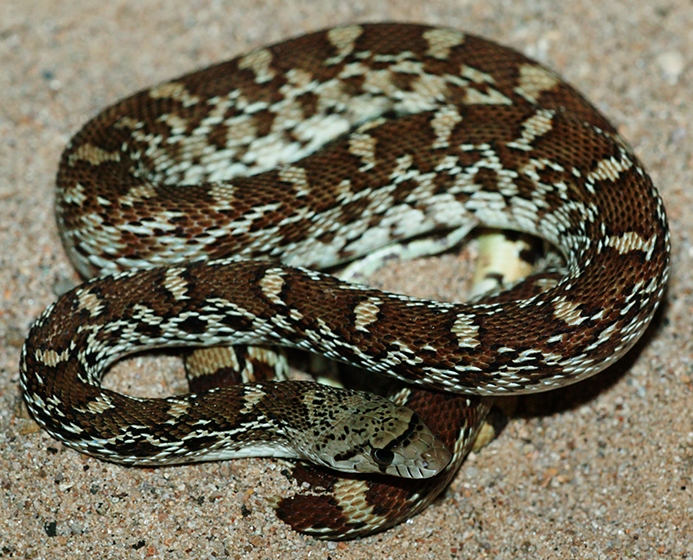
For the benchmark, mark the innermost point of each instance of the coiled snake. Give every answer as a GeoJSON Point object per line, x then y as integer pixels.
{"type": "Point", "coordinates": [318, 150]}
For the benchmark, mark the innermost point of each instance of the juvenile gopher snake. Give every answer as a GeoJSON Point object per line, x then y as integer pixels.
{"type": "Point", "coordinates": [307, 154]}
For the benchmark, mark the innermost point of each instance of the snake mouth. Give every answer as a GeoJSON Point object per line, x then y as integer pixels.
{"type": "Point", "coordinates": [429, 464]}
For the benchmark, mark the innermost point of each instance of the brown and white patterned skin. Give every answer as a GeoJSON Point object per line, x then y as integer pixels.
{"type": "Point", "coordinates": [425, 129]}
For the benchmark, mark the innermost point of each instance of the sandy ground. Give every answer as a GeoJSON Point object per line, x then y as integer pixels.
{"type": "Point", "coordinates": [601, 470]}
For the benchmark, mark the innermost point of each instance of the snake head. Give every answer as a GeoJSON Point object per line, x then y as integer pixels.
{"type": "Point", "coordinates": [407, 448]}
{"type": "Point", "coordinates": [373, 435]}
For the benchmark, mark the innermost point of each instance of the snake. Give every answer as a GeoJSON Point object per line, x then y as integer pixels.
{"type": "Point", "coordinates": [208, 211]}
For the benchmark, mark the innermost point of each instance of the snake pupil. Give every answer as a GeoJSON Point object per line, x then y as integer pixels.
{"type": "Point", "coordinates": [383, 457]}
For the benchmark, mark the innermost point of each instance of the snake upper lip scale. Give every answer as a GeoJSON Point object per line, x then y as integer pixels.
{"type": "Point", "coordinates": [211, 191]}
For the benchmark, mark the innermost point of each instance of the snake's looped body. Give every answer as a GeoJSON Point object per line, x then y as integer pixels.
{"type": "Point", "coordinates": [313, 152]}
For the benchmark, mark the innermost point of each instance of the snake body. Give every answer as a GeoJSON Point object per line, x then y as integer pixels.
{"type": "Point", "coordinates": [231, 185]}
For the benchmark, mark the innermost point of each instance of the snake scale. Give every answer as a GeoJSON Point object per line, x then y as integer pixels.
{"type": "Point", "coordinates": [205, 206]}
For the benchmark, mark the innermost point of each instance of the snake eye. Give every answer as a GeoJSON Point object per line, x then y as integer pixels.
{"type": "Point", "coordinates": [383, 457]}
